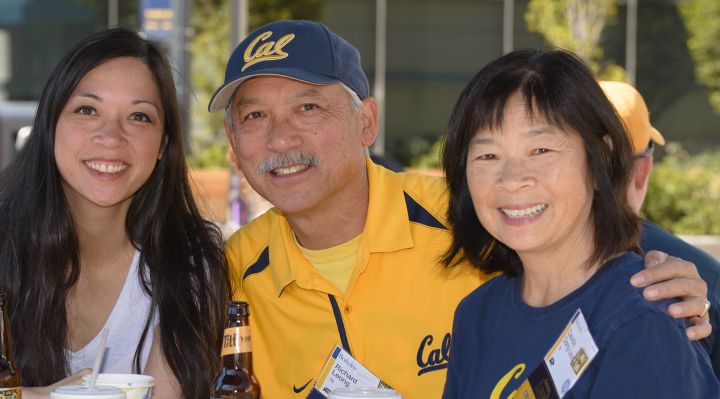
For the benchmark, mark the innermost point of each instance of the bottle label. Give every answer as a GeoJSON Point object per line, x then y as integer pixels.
{"type": "Point", "coordinates": [236, 340]}
{"type": "Point", "coordinates": [10, 393]}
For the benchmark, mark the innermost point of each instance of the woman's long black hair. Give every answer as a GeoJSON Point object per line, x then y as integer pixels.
{"type": "Point", "coordinates": [181, 253]}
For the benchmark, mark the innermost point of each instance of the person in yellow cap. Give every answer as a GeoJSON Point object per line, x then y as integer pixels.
{"type": "Point", "coordinates": [631, 108]}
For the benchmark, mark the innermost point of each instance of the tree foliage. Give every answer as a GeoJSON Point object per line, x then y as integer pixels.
{"type": "Point", "coordinates": [210, 46]}
{"type": "Point", "coordinates": [576, 25]}
{"type": "Point", "coordinates": [702, 22]}
{"type": "Point", "coordinates": [684, 192]}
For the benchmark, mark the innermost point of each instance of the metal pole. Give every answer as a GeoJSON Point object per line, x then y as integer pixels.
{"type": "Point", "coordinates": [239, 25]}
{"type": "Point", "coordinates": [631, 42]}
{"type": "Point", "coordinates": [181, 58]}
{"type": "Point", "coordinates": [113, 14]}
{"type": "Point", "coordinates": [379, 86]}
{"type": "Point", "coordinates": [508, 25]}
{"type": "Point", "coordinates": [239, 209]}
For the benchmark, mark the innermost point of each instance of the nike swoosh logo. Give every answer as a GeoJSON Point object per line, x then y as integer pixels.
{"type": "Point", "coordinates": [302, 388]}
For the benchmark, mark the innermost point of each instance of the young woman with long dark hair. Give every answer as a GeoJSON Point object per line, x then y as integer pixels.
{"type": "Point", "coordinates": [100, 230]}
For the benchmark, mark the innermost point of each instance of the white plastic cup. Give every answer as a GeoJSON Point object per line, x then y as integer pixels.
{"type": "Point", "coordinates": [84, 392]}
{"type": "Point", "coordinates": [135, 386]}
{"type": "Point", "coordinates": [376, 393]}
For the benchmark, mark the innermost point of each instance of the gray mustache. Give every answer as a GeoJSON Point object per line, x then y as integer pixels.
{"type": "Point", "coordinates": [284, 160]}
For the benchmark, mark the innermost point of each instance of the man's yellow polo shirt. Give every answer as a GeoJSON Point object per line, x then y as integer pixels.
{"type": "Point", "coordinates": [396, 314]}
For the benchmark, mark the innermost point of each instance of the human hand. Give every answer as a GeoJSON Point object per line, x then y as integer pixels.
{"type": "Point", "coordinates": [44, 392]}
{"type": "Point", "coordinates": [667, 277]}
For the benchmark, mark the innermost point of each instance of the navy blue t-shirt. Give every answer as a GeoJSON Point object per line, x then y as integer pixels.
{"type": "Point", "coordinates": [498, 340]}
{"type": "Point", "coordinates": [654, 237]}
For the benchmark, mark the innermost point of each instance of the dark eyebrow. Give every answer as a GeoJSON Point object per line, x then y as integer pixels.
{"type": "Point", "coordinates": [307, 93]}
{"type": "Point", "coordinates": [246, 101]}
{"type": "Point", "coordinates": [481, 140]}
{"type": "Point", "coordinates": [90, 95]}
{"type": "Point", "coordinates": [146, 102]}
{"type": "Point", "coordinates": [134, 102]}
{"type": "Point", "coordinates": [546, 129]}
{"type": "Point", "coordinates": [534, 131]}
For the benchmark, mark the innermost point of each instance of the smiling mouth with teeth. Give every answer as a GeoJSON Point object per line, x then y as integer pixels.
{"type": "Point", "coordinates": [289, 170]}
{"type": "Point", "coordinates": [520, 213]}
{"type": "Point", "coordinates": [106, 167]}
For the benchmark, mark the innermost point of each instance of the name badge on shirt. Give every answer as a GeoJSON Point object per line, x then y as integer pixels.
{"type": "Point", "coordinates": [564, 363]}
{"type": "Point", "coordinates": [341, 370]}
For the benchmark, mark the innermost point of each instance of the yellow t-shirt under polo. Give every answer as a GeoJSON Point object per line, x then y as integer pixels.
{"type": "Point", "coordinates": [335, 264]}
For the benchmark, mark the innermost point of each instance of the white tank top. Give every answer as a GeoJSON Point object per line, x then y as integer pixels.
{"type": "Point", "coordinates": [125, 324]}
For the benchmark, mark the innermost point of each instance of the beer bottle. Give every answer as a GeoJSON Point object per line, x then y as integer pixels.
{"type": "Point", "coordinates": [10, 383]}
{"type": "Point", "coordinates": [236, 379]}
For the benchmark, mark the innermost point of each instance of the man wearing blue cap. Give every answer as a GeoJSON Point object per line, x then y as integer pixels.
{"type": "Point", "coordinates": [350, 254]}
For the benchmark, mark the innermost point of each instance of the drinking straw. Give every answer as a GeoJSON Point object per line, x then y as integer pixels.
{"type": "Point", "coordinates": [98, 358]}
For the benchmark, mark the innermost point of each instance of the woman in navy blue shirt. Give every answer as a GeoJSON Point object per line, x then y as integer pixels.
{"type": "Point", "coordinates": [537, 163]}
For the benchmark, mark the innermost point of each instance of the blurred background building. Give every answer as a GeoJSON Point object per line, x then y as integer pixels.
{"type": "Point", "coordinates": [418, 55]}
{"type": "Point", "coordinates": [432, 48]}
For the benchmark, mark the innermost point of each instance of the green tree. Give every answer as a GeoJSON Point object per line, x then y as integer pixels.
{"type": "Point", "coordinates": [684, 192]}
{"type": "Point", "coordinates": [210, 46]}
{"type": "Point", "coordinates": [432, 157]}
{"type": "Point", "coordinates": [702, 22]}
{"type": "Point", "coordinates": [576, 25]}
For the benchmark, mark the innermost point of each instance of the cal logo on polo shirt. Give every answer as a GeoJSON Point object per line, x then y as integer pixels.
{"type": "Point", "coordinates": [260, 50]}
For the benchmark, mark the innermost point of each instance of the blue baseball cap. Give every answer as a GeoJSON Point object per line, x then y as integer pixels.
{"type": "Point", "coordinates": [303, 50]}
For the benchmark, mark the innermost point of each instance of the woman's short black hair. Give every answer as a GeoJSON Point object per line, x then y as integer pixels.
{"type": "Point", "coordinates": [557, 87]}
